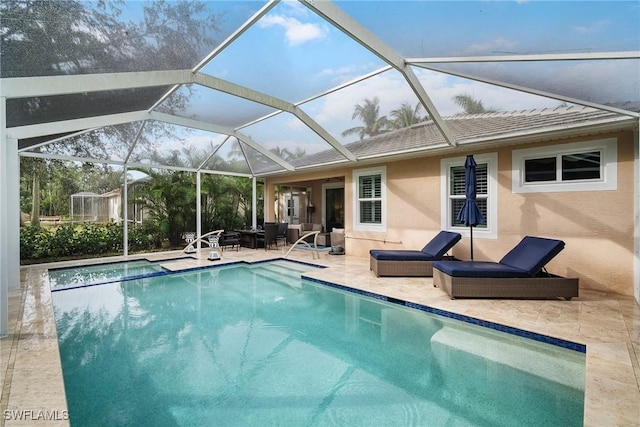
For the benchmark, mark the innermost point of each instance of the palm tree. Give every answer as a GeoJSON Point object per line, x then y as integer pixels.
{"type": "Point", "coordinates": [283, 153]}
{"type": "Point", "coordinates": [406, 116]}
{"type": "Point", "coordinates": [470, 105]}
{"type": "Point", "coordinates": [369, 113]}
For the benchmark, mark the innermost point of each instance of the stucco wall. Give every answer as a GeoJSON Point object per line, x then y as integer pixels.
{"type": "Point", "coordinates": [597, 226]}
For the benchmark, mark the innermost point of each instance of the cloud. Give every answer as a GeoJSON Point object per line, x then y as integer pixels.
{"type": "Point", "coordinates": [344, 74]}
{"type": "Point", "coordinates": [296, 32]}
{"type": "Point", "coordinates": [586, 29]}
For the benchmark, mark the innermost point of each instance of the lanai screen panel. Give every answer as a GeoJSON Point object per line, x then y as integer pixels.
{"type": "Point", "coordinates": [228, 156]}
{"type": "Point", "coordinates": [287, 137]}
{"type": "Point", "coordinates": [446, 90]}
{"type": "Point", "coordinates": [109, 144]}
{"type": "Point", "coordinates": [292, 54]}
{"type": "Point", "coordinates": [335, 110]}
{"type": "Point", "coordinates": [212, 106]}
{"type": "Point", "coordinates": [466, 30]}
{"type": "Point", "coordinates": [45, 38]}
{"type": "Point", "coordinates": [164, 144]}
{"type": "Point", "coordinates": [49, 109]}
{"type": "Point", "coordinates": [260, 164]}
{"type": "Point", "coordinates": [418, 29]}
{"type": "Point", "coordinates": [614, 83]}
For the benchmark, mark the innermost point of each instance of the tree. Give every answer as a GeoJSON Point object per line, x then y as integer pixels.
{"type": "Point", "coordinates": [170, 198]}
{"type": "Point", "coordinates": [283, 153]}
{"type": "Point", "coordinates": [470, 105]}
{"type": "Point", "coordinates": [288, 155]}
{"type": "Point", "coordinates": [75, 37]}
{"type": "Point", "coordinates": [406, 116]}
{"type": "Point", "coordinates": [369, 114]}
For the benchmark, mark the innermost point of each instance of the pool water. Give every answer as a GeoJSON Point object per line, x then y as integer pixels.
{"type": "Point", "coordinates": [257, 345]}
{"type": "Point", "coordinates": [102, 273]}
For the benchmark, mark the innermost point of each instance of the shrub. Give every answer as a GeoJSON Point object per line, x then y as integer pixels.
{"type": "Point", "coordinates": [67, 241]}
{"type": "Point", "coordinates": [145, 236]}
{"type": "Point", "coordinates": [33, 242]}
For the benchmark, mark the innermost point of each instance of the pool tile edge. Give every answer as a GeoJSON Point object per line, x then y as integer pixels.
{"type": "Point", "coordinates": [34, 386]}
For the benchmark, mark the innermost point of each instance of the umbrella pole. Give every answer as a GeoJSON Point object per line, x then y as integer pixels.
{"type": "Point", "coordinates": [471, 240]}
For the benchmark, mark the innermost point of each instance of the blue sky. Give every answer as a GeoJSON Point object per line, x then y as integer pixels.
{"type": "Point", "coordinates": [442, 28]}
{"type": "Point", "coordinates": [292, 54]}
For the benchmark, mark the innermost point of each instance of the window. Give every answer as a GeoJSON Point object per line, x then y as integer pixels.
{"type": "Point", "coordinates": [453, 194]}
{"type": "Point", "coordinates": [457, 192]}
{"type": "Point", "coordinates": [585, 166]}
{"type": "Point", "coordinates": [370, 201]}
{"type": "Point", "coordinates": [573, 167]}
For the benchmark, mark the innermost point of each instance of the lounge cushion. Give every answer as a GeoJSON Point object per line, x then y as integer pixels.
{"type": "Point", "coordinates": [400, 255]}
{"type": "Point", "coordinates": [532, 253]}
{"type": "Point", "coordinates": [526, 259]}
{"type": "Point", "coordinates": [478, 269]}
{"type": "Point", "coordinates": [434, 250]}
{"type": "Point", "coordinates": [441, 243]}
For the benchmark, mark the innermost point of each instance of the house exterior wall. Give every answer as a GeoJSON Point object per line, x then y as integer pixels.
{"type": "Point", "coordinates": [597, 226]}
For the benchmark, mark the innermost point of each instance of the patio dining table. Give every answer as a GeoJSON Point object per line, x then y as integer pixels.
{"type": "Point", "coordinates": [249, 238]}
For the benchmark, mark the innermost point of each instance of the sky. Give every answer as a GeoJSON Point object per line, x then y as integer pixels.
{"type": "Point", "coordinates": [293, 54]}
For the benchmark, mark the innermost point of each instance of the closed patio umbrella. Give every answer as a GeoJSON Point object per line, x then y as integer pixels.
{"type": "Point", "coordinates": [470, 214]}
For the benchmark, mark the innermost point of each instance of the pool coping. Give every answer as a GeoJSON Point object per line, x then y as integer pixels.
{"type": "Point", "coordinates": [467, 319]}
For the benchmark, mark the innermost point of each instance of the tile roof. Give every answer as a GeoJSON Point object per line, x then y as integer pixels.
{"type": "Point", "coordinates": [477, 128]}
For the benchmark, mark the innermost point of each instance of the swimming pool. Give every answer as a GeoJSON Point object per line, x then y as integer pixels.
{"type": "Point", "coordinates": [258, 345]}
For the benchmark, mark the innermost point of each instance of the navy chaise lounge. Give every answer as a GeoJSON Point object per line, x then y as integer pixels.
{"type": "Point", "coordinates": [519, 274]}
{"type": "Point", "coordinates": [412, 262]}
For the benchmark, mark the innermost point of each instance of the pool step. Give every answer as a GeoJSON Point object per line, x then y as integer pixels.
{"type": "Point", "coordinates": [565, 369]}
{"type": "Point", "coordinates": [280, 274]}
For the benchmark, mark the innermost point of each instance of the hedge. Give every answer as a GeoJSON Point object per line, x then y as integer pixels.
{"type": "Point", "coordinates": [81, 240]}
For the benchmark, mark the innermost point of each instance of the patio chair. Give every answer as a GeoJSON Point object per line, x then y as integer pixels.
{"type": "Point", "coordinates": [283, 229]}
{"type": "Point", "coordinates": [230, 238]}
{"type": "Point", "coordinates": [519, 274]}
{"type": "Point", "coordinates": [269, 236]}
{"type": "Point", "coordinates": [412, 263]}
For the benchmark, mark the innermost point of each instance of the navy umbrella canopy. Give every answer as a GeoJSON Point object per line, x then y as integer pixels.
{"type": "Point", "coordinates": [470, 214]}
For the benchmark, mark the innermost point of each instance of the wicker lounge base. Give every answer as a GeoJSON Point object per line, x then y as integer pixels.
{"type": "Point", "coordinates": [525, 288]}
{"type": "Point", "coordinates": [388, 268]}
{"type": "Point", "coordinates": [391, 268]}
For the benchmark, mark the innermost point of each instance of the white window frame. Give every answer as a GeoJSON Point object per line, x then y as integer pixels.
{"type": "Point", "coordinates": [357, 225]}
{"type": "Point", "coordinates": [491, 230]}
{"type": "Point", "coordinates": [608, 180]}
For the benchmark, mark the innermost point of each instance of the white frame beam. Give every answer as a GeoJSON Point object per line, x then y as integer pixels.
{"type": "Point", "coordinates": [27, 87]}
